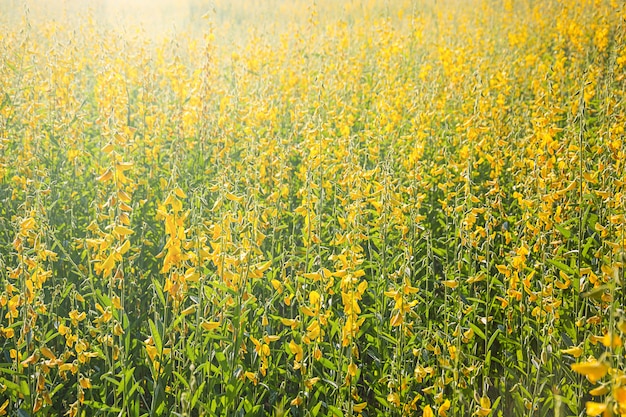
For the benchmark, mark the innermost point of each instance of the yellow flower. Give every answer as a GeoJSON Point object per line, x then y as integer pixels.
{"type": "Point", "coordinates": [594, 370]}
{"type": "Point", "coordinates": [116, 302]}
{"type": "Point", "coordinates": [598, 391]}
{"type": "Point", "coordinates": [575, 351]}
{"type": "Point", "coordinates": [397, 319]}
{"type": "Point", "coordinates": [443, 409]}
{"type": "Point", "coordinates": [117, 329]}
{"type": "Point", "coordinates": [85, 383]}
{"type": "Point", "coordinates": [394, 399]}
{"type": "Point", "coordinates": [47, 353]}
{"type": "Point", "coordinates": [595, 409]}
{"type": "Point", "coordinates": [210, 325]}
{"type": "Point", "coordinates": [619, 394]}
{"type": "Point", "coordinates": [352, 369]}
{"type": "Point", "coordinates": [7, 332]}
{"type": "Point", "coordinates": [106, 176]}
{"type": "Point", "coordinates": [296, 349]}
{"type": "Point", "coordinates": [451, 283]}
{"type": "Point", "coordinates": [123, 231]}
{"type": "Point", "coordinates": [359, 407]}
{"type": "Point", "coordinates": [485, 407]}
{"type": "Point", "coordinates": [30, 360]}
{"type": "Point", "coordinates": [310, 382]}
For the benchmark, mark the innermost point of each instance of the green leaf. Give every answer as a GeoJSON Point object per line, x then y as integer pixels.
{"type": "Point", "coordinates": [564, 231]}
{"type": "Point", "coordinates": [182, 380]}
{"type": "Point", "coordinates": [5, 101]}
{"type": "Point", "coordinates": [159, 290]}
{"type": "Point", "coordinates": [560, 265]}
{"type": "Point", "coordinates": [589, 218]}
{"type": "Point", "coordinates": [196, 395]}
{"type": "Point", "coordinates": [477, 331]}
{"type": "Point", "coordinates": [100, 406]}
{"type": "Point", "coordinates": [24, 388]}
{"type": "Point", "coordinates": [383, 401]}
{"type": "Point", "coordinates": [389, 338]}
{"type": "Point", "coordinates": [494, 405]}
{"type": "Point", "coordinates": [221, 358]}
{"type": "Point", "coordinates": [588, 244]}
{"type": "Point", "coordinates": [109, 378]}
{"type": "Point", "coordinates": [327, 364]}
{"type": "Point", "coordinates": [316, 409]}
{"type": "Point", "coordinates": [596, 293]}
{"type": "Point", "coordinates": [126, 378]}
{"type": "Point", "coordinates": [156, 336]}
{"type": "Point", "coordinates": [493, 338]}
{"type": "Point", "coordinates": [11, 385]}
{"type": "Point", "coordinates": [334, 411]}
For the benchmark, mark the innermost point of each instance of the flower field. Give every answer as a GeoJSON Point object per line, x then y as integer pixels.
{"type": "Point", "coordinates": [292, 208]}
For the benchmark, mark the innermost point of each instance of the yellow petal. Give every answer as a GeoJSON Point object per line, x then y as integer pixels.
{"type": "Point", "coordinates": [394, 399]}
{"type": "Point", "coordinates": [188, 310]}
{"type": "Point", "coordinates": [359, 407]}
{"type": "Point", "coordinates": [451, 283]}
{"type": "Point", "coordinates": [607, 340]}
{"type": "Point", "coordinates": [485, 402]}
{"type": "Point", "coordinates": [314, 298]}
{"type": "Point", "coordinates": [619, 394]}
{"type": "Point", "coordinates": [180, 193]}
{"type": "Point", "coordinates": [27, 224]}
{"type": "Point", "coordinates": [594, 408]}
{"type": "Point", "coordinates": [108, 148]}
{"type": "Point", "coordinates": [307, 311]}
{"type": "Point", "coordinates": [593, 370]}
{"type": "Point", "coordinates": [123, 196]}
{"type": "Point", "coordinates": [123, 166]}
{"type": "Point", "coordinates": [391, 293]}
{"type": "Point", "coordinates": [574, 351]}
{"type": "Point", "coordinates": [233, 197]}
{"type": "Point", "coordinates": [30, 360]}
{"type": "Point", "coordinates": [503, 269]}
{"type": "Point", "coordinates": [106, 176]}
{"type": "Point", "coordinates": [264, 266]}
{"type": "Point", "coordinates": [485, 407]}
{"type": "Point", "coordinates": [396, 320]}
{"type": "Point", "coordinates": [47, 353]}
{"type": "Point", "coordinates": [210, 325]}
{"type": "Point", "coordinates": [278, 286]}
{"type": "Point", "coordinates": [311, 381]}
{"type": "Point", "coordinates": [443, 409]}
{"type": "Point", "coordinates": [352, 369]}
{"type": "Point", "coordinates": [85, 383]}
{"type": "Point", "coordinates": [123, 231]}
{"type": "Point", "coordinates": [314, 276]}
{"type": "Point", "coordinates": [288, 322]}
{"type": "Point", "coordinates": [124, 248]}
{"type": "Point", "coordinates": [296, 401]}
{"type": "Point", "coordinates": [598, 391]}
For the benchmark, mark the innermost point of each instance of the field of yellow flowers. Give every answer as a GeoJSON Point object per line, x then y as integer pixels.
{"type": "Point", "coordinates": [293, 208]}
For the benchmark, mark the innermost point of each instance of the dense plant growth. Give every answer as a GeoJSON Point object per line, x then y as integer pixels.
{"type": "Point", "coordinates": [359, 209]}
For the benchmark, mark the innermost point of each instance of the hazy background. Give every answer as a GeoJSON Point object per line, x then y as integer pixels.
{"type": "Point", "coordinates": [157, 16]}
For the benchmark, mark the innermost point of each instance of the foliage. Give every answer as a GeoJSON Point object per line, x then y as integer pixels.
{"type": "Point", "coordinates": [377, 208]}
